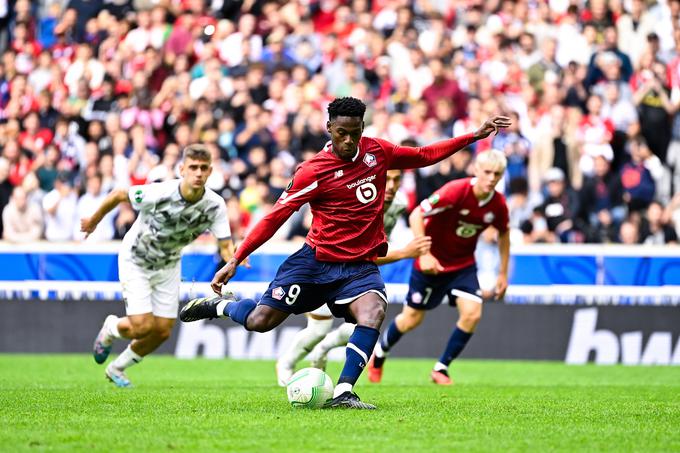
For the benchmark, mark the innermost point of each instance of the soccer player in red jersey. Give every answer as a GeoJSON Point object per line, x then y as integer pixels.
{"type": "Point", "coordinates": [345, 187]}
{"type": "Point", "coordinates": [454, 216]}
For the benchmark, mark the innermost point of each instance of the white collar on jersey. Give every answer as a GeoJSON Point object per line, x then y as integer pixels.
{"type": "Point", "coordinates": [487, 199]}
{"type": "Point", "coordinates": [329, 147]}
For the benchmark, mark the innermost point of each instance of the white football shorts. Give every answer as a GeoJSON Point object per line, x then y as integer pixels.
{"type": "Point", "coordinates": [149, 291]}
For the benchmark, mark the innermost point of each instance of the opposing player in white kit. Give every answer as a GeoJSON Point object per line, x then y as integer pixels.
{"type": "Point", "coordinates": [318, 334]}
{"type": "Point", "coordinates": [171, 215]}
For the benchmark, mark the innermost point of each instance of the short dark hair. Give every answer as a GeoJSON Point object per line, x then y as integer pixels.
{"type": "Point", "coordinates": [346, 106]}
{"type": "Point", "coordinates": [197, 151]}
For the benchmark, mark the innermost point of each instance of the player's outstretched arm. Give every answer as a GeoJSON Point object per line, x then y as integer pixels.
{"type": "Point", "coordinates": [408, 157]}
{"type": "Point", "coordinates": [261, 233]}
{"type": "Point", "coordinates": [417, 247]}
{"type": "Point", "coordinates": [504, 249]}
{"type": "Point", "coordinates": [115, 197]}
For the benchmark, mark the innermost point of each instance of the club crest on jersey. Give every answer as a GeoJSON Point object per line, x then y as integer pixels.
{"type": "Point", "coordinates": [464, 211]}
{"type": "Point", "coordinates": [338, 174]}
{"type": "Point", "coordinates": [488, 217]}
{"type": "Point", "coordinates": [278, 293]}
{"type": "Point", "coordinates": [369, 159]}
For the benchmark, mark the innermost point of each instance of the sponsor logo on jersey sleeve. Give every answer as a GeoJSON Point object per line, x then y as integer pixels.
{"type": "Point", "coordinates": [369, 159]}
{"type": "Point", "coordinates": [139, 196]}
{"type": "Point", "coordinates": [433, 199]}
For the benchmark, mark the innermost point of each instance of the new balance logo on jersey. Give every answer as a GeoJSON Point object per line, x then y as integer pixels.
{"type": "Point", "coordinates": [464, 211]}
{"type": "Point", "coordinates": [338, 174]}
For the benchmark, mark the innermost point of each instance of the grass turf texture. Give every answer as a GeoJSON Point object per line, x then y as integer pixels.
{"type": "Point", "coordinates": [63, 403]}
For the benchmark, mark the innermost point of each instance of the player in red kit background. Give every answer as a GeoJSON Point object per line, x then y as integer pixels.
{"type": "Point", "coordinates": [344, 185]}
{"type": "Point", "coordinates": [454, 216]}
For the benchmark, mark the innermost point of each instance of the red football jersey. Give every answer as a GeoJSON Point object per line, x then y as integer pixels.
{"type": "Point", "coordinates": [455, 218]}
{"type": "Point", "coordinates": [346, 198]}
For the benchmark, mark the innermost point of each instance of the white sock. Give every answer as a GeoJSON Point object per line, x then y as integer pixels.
{"type": "Point", "coordinates": [126, 359]}
{"type": "Point", "coordinates": [335, 338]}
{"type": "Point", "coordinates": [440, 367]}
{"type": "Point", "coordinates": [342, 388]}
{"type": "Point", "coordinates": [378, 351]}
{"type": "Point", "coordinates": [305, 340]}
{"type": "Point", "coordinates": [220, 308]}
{"type": "Point", "coordinates": [111, 325]}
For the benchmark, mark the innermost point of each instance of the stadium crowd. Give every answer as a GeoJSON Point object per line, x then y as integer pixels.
{"type": "Point", "coordinates": [97, 94]}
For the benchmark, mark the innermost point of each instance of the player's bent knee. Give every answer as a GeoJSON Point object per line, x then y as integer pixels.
{"type": "Point", "coordinates": [470, 319]}
{"type": "Point", "coordinates": [371, 315]}
{"type": "Point", "coordinates": [141, 330]}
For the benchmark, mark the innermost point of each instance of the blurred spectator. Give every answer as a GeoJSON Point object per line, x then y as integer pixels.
{"type": "Point", "coordinates": [443, 87]}
{"type": "Point", "coordinates": [88, 203]}
{"type": "Point", "coordinates": [654, 229]}
{"type": "Point", "coordinates": [22, 220]}
{"type": "Point", "coordinates": [518, 202]}
{"type": "Point", "coordinates": [652, 98]}
{"type": "Point", "coordinates": [601, 202]}
{"type": "Point", "coordinates": [629, 233]}
{"type": "Point", "coordinates": [59, 206]}
{"type": "Point", "coordinates": [560, 207]}
{"type": "Point", "coordinates": [516, 148]}
{"type": "Point", "coordinates": [19, 161]}
{"type": "Point", "coordinates": [636, 179]}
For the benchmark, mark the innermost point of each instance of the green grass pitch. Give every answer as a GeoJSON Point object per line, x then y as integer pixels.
{"type": "Point", "coordinates": [63, 403]}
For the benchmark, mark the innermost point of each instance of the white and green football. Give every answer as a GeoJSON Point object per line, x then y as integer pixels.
{"type": "Point", "coordinates": [309, 388]}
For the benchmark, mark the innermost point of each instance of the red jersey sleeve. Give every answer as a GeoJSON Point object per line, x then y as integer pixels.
{"type": "Point", "coordinates": [441, 199]}
{"type": "Point", "coordinates": [302, 189]}
{"type": "Point", "coordinates": [401, 157]}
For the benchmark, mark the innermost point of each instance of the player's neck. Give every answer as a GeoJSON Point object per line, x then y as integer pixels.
{"type": "Point", "coordinates": [189, 193]}
{"type": "Point", "coordinates": [479, 194]}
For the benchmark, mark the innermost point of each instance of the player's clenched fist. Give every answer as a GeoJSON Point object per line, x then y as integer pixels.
{"type": "Point", "coordinates": [418, 246]}
{"type": "Point", "coordinates": [223, 276]}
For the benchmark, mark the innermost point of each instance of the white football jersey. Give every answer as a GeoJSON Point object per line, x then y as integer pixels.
{"type": "Point", "coordinates": [167, 222]}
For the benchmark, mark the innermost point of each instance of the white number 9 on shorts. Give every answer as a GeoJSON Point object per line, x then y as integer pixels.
{"type": "Point", "coordinates": [293, 293]}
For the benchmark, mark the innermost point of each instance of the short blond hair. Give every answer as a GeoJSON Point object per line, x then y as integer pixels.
{"type": "Point", "coordinates": [197, 151]}
{"type": "Point", "coordinates": [492, 157]}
